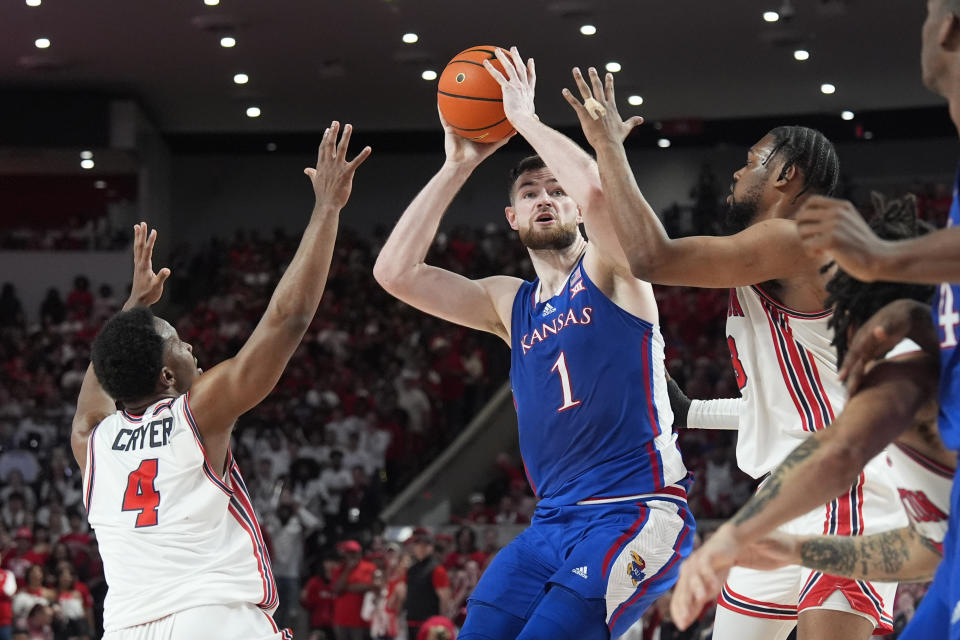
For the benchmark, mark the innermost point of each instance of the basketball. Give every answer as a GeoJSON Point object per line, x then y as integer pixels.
{"type": "Point", "coordinates": [470, 99]}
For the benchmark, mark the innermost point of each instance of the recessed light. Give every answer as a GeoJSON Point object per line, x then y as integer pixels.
{"type": "Point", "coordinates": [771, 16]}
{"type": "Point", "coordinates": [801, 55]}
{"type": "Point", "coordinates": [227, 41]}
{"type": "Point", "coordinates": [86, 155]}
{"type": "Point", "coordinates": [429, 75]}
{"type": "Point", "coordinates": [847, 115]}
{"type": "Point", "coordinates": [253, 112]}
{"type": "Point", "coordinates": [42, 43]}
{"type": "Point", "coordinates": [241, 78]}
{"type": "Point", "coordinates": [827, 88]}
{"type": "Point", "coordinates": [613, 67]}
{"type": "Point", "coordinates": [33, 3]}
{"type": "Point", "coordinates": [86, 164]}
{"type": "Point", "coordinates": [868, 135]}
{"type": "Point", "coordinates": [211, 3]}
{"type": "Point", "coordinates": [663, 143]}
{"type": "Point", "coordinates": [410, 38]}
{"type": "Point", "coordinates": [635, 100]}
{"type": "Point", "coordinates": [271, 146]}
{"type": "Point", "coordinates": [588, 29]}
{"type": "Point", "coordinates": [100, 184]}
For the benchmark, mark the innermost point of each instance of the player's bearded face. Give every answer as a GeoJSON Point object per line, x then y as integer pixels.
{"type": "Point", "coordinates": [555, 237]}
{"type": "Point", "coordinates": [741, 212]}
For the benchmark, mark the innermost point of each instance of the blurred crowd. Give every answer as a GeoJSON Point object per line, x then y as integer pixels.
{"type": "Point", "coordinates": [375, 391]}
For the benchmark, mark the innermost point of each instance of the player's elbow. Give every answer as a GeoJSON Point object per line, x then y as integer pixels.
{"type": "Point", "coordinates": [843, 462]}
{"type": "Point", "coordinates": [646, 265]}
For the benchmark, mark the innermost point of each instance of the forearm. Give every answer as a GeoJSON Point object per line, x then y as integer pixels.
{"type": "Point", "coordinates": [298, 293]}
{"type": "Point", "coordinates": [573, 167]}
{"type": "Point", "coordinates": [411, 238]}
{"type": "Point", "coordinates": [720, 413]}
{"type": "Point", "coordinates": [902, 555]}
{"type": "Point", "coordinates": [641, 235]}
{"type": "Point", "coordinates": [928, 259]}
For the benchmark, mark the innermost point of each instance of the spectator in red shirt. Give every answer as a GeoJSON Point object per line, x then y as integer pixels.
{"type": "Point", "coordinates": [428, 586]}
{"type": "Point", "coordinates": [465, 550]}
{"type": "Point", "coordinates": [437, 628]}
{"type": "Point", "coordinates": [317, 598]}
{"type": "Point", "coordinates": [351, 580]}
{"type": "Point", "coordinates": [80, 300]}
{"type": "Point", "coordinates": [8, 587]}
{"type": "Point", "coordinates": [19, 560]}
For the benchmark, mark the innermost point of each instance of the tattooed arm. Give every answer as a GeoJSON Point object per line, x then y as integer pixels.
{"type": "Point", "coordinates": [821, 468]}
{"type": "Point", "coordinates": [901, 555]}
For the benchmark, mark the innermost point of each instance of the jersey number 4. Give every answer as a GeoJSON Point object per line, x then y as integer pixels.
{"type": "Point", "coordinates": [948, 317]}
{"type": "Point", "coordinates": [560, 366]}
{"type": "Point", "coordinates": [141, 493]}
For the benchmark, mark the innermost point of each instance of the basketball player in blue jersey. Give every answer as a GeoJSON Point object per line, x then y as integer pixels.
{"type": "Point", "coordinates": [587, 373]}
{"type": "Point", "coordinates": [183, 554]}
{"type": "Point", "coordinates": [836, 228]}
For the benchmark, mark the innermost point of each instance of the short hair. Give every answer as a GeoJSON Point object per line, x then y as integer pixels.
{"type": "Point", "coordinates": [812, 153]}
{"type": "Point", "coordinates": [853, 301]}
{"type": "Point", "coordinates": [127, 355]}
{"type": "Point", "coordinates": [530, 163]}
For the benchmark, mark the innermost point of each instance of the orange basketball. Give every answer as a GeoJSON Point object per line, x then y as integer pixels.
{"type": "Point", "coordinates": [470, 99]}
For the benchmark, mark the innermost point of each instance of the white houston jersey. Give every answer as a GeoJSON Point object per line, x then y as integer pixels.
{"type": "Point", "coordinates": [786, 370]}
{"type": "Point", "coordinates": [172, 534]}
{"type": "Point", "coordinates": [924, 486]}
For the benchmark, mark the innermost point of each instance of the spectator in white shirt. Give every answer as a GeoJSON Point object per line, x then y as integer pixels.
{"type": "Point", "coordinates": [335, 479]}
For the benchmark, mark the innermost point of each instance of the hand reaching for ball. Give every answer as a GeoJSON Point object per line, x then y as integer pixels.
{"type": "Point", "coordinates": [463, 152]}
{"type": "Point", "coordinates": [517, 82]}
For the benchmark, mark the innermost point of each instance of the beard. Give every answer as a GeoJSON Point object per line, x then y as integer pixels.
{"type": "Point", "coordinates": [559, 236]}
{"type": "Point", "coordinates": [741, 214]}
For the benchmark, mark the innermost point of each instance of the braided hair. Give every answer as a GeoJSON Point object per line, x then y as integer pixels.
{"type": "Point", "coordinates": [853, 301]}
{"type": "Point", "coordinates": [812, 153]}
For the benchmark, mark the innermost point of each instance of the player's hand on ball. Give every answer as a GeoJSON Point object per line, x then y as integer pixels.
{"type": "Point", "coordinates": [333, 176]}
{"type": "Point", "coordinates": [464, 152]}
{"type": "Point", "coordinates": [598, 115]}
{"type": "Point", "coordinates": [702, 576]}
{"type": "Point", "coordinates": [147, 287]}
{"type": "Point", "coordinates": [517, 85]}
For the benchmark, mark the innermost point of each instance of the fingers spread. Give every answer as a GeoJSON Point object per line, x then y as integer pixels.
{"type": "Point", "coordinates": [581, 84]}
{"type": "Point", "coordinates": [344, 142]}
{"type": "Point", "coordinates": [595, 82]}
{"type": "Point", "coordinates": [499, 77]}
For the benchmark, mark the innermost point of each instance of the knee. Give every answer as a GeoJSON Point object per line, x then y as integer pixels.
{"type": "Point", "coordinates": [566, 615]}
{"type": "Point", "coordinates": [486, 622]}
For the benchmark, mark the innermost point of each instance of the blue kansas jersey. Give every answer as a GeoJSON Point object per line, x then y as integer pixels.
{"type": "Point", "coordinates": [947, 320]}
{"type": "Point", "coordinates": [590, 391]}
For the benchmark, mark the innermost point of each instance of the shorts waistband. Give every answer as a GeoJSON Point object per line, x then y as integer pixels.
{"type": "Point", "coordinates": [670, 492]}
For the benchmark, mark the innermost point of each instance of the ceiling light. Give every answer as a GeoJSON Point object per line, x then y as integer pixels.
{"type": "Point", "coordinates": [827, 88]}
{"type": "Point", "coordinates": [771, 16]}
{"type": "Point", "coordinates": [86, 155]}
{"type": "Point", "coordinates": [429, 75]}
{"type": "Point", "coordinates": [868, 135]}
{"type": "Point", "coordinates": [847, 115]}
{"type": "Point", "coordinates": [613, 67]}
{"type": "Point", "coordinates": [410, 38]}
{"type": "Point", "coordinates": [227, 41]}
{"type": "Point", "coordinates": [801, 55]}
{"type": "Point", "coordinates": [86, 164]}
{"type": "Point", "coordinates": [33, 3]}
{"type": "Point", "coordinates": [663, 143]}
{"type": "Point", "coordinates": [241, 78]}
{"type": "Point", "coordinates": [211, 3]}
{"type": "Point", "coordinates": [253, 112]}
{"type": "Point", "coordinates": [271, 146]}
{"type": "Point", "coordinates": [100, 184]}
{"type": "Point", "coordinates": [42, 43]}
{"type": "Point", "coordinates": [588, 29]}
{"type": "Point", "coordinates": [635, 100]}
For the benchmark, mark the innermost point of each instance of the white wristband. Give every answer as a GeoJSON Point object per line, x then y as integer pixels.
{"type": "Point", "coordinates": [723, 413]}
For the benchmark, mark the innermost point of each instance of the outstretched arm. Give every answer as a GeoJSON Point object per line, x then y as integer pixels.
{"type": "Point", "coordinates": [574, 168]}
{"type": "Point", "coordinates": [401, 268]}
{"type": "Point", "coordinates": [901, 555]}
{"type": "Point", "coordinates": [820, 469]}
{"type": "Point", "coordinates": [768, 250]}
{"type": "Point", "coordinates": [93, 403]}
{"type": "Point", "coordinates": [238, 384]}
{"type": "Point", "coordinates": [835, 226]}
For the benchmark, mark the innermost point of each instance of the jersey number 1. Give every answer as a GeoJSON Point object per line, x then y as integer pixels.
{"type": "Point", "coordinates": [560, 366]}
{"type": "Point", "coordinates": [141, 494]}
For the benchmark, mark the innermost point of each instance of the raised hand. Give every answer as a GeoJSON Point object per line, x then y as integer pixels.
{"type": "Point", "coordinates": [147, 287]}
{"type": "Point", "coordinates": [835, 226]}
{"type": "Point", "coordinates": [598, 115]}
{"type": "Point", "coordinates": [333, 176]}
{"type": "Point", "coordinates": [464, 152]}
{"type": "Point", "coordinates": [517, 82]}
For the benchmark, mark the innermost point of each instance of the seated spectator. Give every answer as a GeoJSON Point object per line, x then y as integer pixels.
{"type": "Point", "coordinates": [480, 513]}
{"type": "Point", "coordinates": [80, 300]}
{"type": "Point", "coordinates": [75, 604]}
{"type": "Point", "coordinates": [19, 559]}
{"type": "Point", "coordinates": [32, 593]}
{"type": "Point", "coordinates": [11, 309]}
{"type": "Point", "coordinates": [437, 628]}
{"type": "Point", "coordinates": [39, 624]}
{"type": "Point", "coordinates": [317, 598]}
{"type": "Point", "coordinates": [465, 550]}
{"type": "Point", "coordinates": [52, 310]}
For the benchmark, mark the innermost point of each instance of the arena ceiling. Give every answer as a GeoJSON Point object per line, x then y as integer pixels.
{"type": "Point", "coordinates": [312, 60]}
